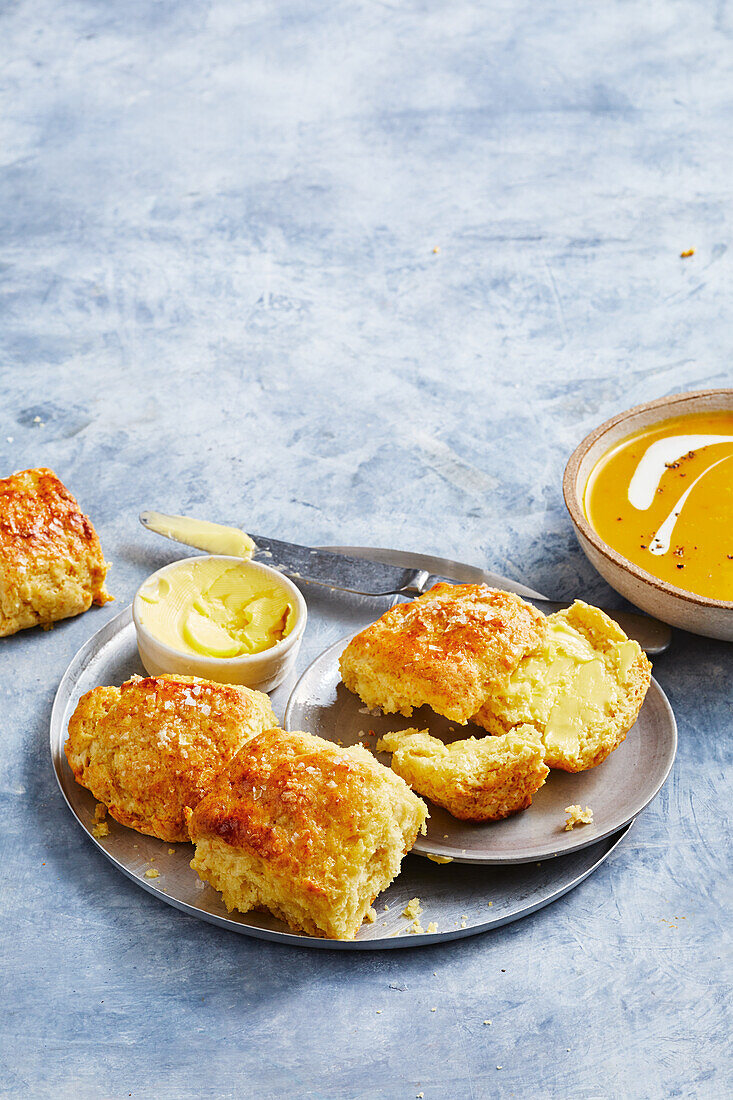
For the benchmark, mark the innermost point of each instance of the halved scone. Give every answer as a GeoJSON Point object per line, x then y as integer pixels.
{"type": "Point", "coordinates": [152, 748]}
{"type": "Point", "coordinates": [51, 563]}
{"type": "Point", "coordinates": [582, 691]}
{"type": "Point", "coordinates": [476, 779]}
{"type": "Point", "coordinates": [448, 649]}
{"type": "Point", "coordinates": [305, 829]}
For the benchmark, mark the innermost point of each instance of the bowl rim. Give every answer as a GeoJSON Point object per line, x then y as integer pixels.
{"type": "Point", "coordinates": [574, 504]}
{"type": "Point", "coordinates": [278, 650]}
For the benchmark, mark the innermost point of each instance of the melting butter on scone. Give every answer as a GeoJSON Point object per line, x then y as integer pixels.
{"type": "Point", "coordinates": [51, 563]}
{"type": "Point", "coordinates": [582, 691]}
{"type": "Point", "coordinates": [446, 649]}
{"type": "Point", "coordinates": [305, 829]}
{"type": "Point", "coordinates": [484, 779]}
{"type": "Point", "coordinates": [151, 749]}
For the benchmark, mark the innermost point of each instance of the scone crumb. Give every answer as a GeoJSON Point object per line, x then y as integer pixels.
{"type": "Point", "coordinates": [432, 927]}
{"type": "Point", "coordinates": [100, 830]}
{"type": "Point", "coordinates": [487, 1023]}
{"type": "Point", "coordinates": [578, 816]}
{"type": "Point", "coordinates": [171, 851]}
{"type": "Point", "coordinates": [441, 859]}
{"type": "Point", "coordinates": [152, 873]}
{"type": "Point", "coordinates": [100, 812]}
{"type": "Point", "coordinates": [413, 909]}
{"type": "Point", "coordinates": [687, 253]}
{"type": "Point", "coordinates": [370, 915]}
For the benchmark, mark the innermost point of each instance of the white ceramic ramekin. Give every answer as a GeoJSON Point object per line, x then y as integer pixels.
{"type": "Point", "coordinates": [698, 614]}
{"type": "Point", "coordinates": [263, 671]}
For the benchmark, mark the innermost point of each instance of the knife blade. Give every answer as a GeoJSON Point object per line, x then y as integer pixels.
{"type": "Point", "coordinates": [366, 577]}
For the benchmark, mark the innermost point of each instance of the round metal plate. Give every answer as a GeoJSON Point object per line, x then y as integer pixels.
{"type": "Point", "coordinates": [461, 900]}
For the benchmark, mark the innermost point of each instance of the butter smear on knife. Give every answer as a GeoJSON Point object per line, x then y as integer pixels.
{"type": "Point", "coordinates": [213, 538]}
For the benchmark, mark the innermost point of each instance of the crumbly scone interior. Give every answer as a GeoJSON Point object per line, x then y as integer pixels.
{"type": "Point", "coordinates": [246, 882]}
{"type": "Point", "coordinates": [581, 691]}
{"type": "Point", "coordinates": [475, 779]}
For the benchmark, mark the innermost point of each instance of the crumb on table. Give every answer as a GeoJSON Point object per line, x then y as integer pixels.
{"type": "Point", "coordinates": [152, 873]}
{"type": "Point", "coordinates": [100, 829]}
{"type": "Point", "coordinates": [578, 816]}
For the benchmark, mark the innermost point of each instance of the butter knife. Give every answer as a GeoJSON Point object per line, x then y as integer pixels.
{"type": "Point", "coordinates": [358, 575]}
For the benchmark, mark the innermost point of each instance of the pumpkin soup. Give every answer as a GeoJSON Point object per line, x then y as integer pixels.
{"type": "Point", "coordinates": [663, 497]}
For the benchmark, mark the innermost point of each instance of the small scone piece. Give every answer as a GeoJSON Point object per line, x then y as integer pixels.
{"type": "Point", "coordinates": [482, 779]}
{"type": "Point", "coordinates": [151, 749]}
{"type": "Point", "coordinates": [581, 692]}
{"type": "Point", "coordinates": [51, 563]}
{"type": "Point", "coordinates": [305, 829]}
{"type": "Point", "coordinates": [448, 649]}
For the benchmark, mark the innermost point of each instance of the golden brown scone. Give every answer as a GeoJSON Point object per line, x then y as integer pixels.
{"type": "Point", "coordinates": [446, 649]}
{"type": "Point", "coordinates": [51, 563]}
{"type": "Point", "coordinates": [305, 829]}
{"type": "Point", "coordinates": [482, 779]}
{"type": "Point", "coordinates": [152, 748]}
{"type": "Point", "coordinates": [582, 692]}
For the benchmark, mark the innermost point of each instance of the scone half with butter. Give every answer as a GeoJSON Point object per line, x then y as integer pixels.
{"type": "Point", "coordinates": [582, 691]}
{"type": "Point", "coordinates": [306, 830]}
{"type": "Point", "coordinates": [447, 649]}
{"type": "Point", "coordinates": [475, 779]}
{"type": "Point", "coordinates": [51, 563]}
{"type": "Point", "coordinates": [151, 749]}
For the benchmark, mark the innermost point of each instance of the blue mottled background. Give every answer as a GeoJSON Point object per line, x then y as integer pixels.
{"type": "Point", "coordinates": [359, 272]}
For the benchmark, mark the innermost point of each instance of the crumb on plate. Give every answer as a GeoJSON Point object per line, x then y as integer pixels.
{"type": "Point", "coordinates": [578, 816]}
{"type": "Point", "coordinates": [413, 909]}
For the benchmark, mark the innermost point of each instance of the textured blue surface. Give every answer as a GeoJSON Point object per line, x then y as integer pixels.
{"type": "Point", "coordinates": [220, 294]}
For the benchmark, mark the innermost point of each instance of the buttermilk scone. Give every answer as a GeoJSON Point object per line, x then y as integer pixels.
{"type": "Point", "coordinates": [582, 691]}
{"type": "Point", "coordinates": [51, 563]}
{"type": "Point", "coordinates": [305, 829]}
{"type": "Point", "coordinates": [482, 779]}
{"type": "Point", "coordinates": [151, 749]}
{"type": "Point", "coordinates": [448, 649]}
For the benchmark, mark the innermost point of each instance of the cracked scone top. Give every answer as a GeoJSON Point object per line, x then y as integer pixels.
{"type": "Point", "coordinates": [447, 649]}
{"type": "Point", "coordinates": [152, 748]}
{"type": "Point", "coordinates": [51, 563]}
